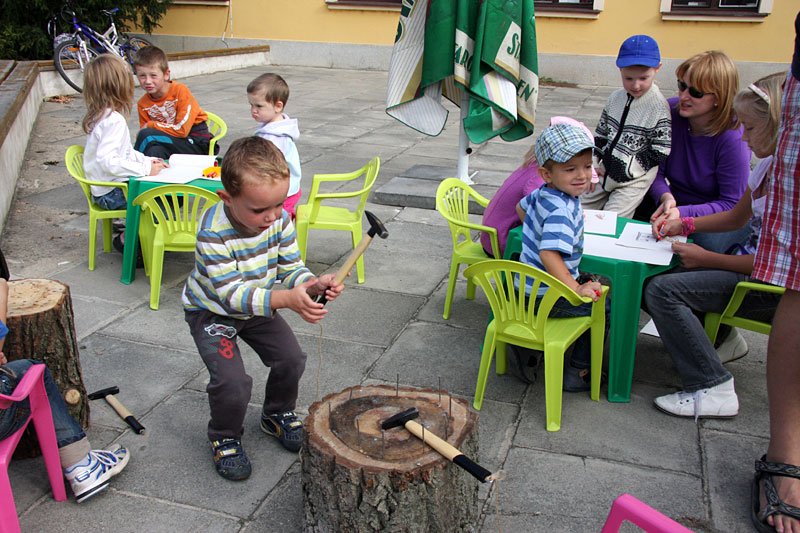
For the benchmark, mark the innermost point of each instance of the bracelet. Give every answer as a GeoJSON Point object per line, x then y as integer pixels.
{"type": "Point", "coordinates": [687, 225]}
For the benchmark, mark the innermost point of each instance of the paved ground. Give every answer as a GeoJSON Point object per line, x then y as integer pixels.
{"type": "Point", "coordinates": [392, 324]}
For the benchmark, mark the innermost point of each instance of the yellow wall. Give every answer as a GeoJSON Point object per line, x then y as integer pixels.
{"type": "Point", "coordinates": [311, 20]}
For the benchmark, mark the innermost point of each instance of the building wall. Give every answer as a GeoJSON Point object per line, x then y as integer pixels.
{"type": "Point", "coordinates": [580, 50]}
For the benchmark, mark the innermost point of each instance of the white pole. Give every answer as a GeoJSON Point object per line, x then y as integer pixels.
{"type": "Point", "coordinates": [463, 141]}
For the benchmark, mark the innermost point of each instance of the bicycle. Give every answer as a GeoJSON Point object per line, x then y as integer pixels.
{"type": "Point", "coordinates": [74, 51]}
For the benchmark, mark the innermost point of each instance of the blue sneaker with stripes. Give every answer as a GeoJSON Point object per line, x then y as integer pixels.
{"type": "Point", "coordinates": [90, 476]}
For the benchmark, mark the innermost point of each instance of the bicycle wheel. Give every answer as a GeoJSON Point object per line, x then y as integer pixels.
{"type": "Point", "coordinates": [70, 58]}
{"type": "Point", "coordinates": [130, 45]}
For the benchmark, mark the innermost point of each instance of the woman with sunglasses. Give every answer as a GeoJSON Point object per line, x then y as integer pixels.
{"type": "Point", "coordinates": [707, 168]}
{"type": "Point", "coordinates": [677, 300]}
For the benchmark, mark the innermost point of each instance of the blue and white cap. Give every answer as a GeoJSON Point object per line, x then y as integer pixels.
{"type": "Point", "coordinates": [561, 142]}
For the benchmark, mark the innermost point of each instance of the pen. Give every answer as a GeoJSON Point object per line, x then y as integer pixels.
{"type": "Point", "coordinates": [598, 293]}
{"type": "Point", "coordinates": [661, 230]}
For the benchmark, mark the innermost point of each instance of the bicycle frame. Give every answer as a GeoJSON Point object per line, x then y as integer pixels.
{"type": "Point", "coordinates": [102, 42]}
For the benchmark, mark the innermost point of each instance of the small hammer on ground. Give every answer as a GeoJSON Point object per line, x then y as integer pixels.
{"type": "Point", "coordinates": [376, 227]}
{"type": "Point", "coordinates": [108, 395]}
{"type": "Point", "coordinates": [450, 452]}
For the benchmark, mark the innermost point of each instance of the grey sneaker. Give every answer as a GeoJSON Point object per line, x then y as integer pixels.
{"type": "Point", "coordinates": [732, 348]}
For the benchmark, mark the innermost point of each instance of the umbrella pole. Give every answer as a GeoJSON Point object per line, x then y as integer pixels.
{"type": "Point", "coordinates": [463, 142]}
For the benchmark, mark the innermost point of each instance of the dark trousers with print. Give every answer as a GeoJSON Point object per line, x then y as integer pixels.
{"type": "Point", "coordinates": [155, 143]}
{"type": "Point", "coordinates": [230, 386]}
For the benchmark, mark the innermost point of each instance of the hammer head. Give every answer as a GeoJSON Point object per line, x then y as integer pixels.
{"type": "Point", "coordinates": [102, 393]}
{"type": "Point", "coordinates": [400, 418]}
{"type": "Point", "coordinates": [376, 227]}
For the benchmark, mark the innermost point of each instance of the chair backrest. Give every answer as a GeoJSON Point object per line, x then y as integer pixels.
{"type": "Point", "coordinates": [176, 208]}
{"type": "Point", "coordinates": [370, 173]}
{"type": "Point", "coordinates": [452, 201]}
{"type": "Point", "coordinates": [74, 161]}
{"type": "Point", "coordinates": [218, 129]}
{"type": "Point", "coordinates": [512, 306]}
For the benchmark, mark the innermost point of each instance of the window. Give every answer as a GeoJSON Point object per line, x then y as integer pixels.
{"type": "Point", "coordinates": [717, 8]}
{"type": "Point", "coordinates": [564, 5]}
{"type": "Point", "coordinates": [365, 4]}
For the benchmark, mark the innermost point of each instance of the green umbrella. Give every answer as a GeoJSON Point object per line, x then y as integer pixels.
{"type": "Point", "coordinates": [479, 54]}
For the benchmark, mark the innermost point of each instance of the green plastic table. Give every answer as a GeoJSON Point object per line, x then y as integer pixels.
{"type": "Point", "coordinates": [627, 279]}
{"type": "Point", "coordinates": [135, 188]}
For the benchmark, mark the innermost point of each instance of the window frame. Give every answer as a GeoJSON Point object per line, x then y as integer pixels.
{"type": "Point", "coordinates": [715, 12]}
{"type": "Point", "coordinates": [554, 8]}
{"type": "Point", "coordinates": [367, 5]}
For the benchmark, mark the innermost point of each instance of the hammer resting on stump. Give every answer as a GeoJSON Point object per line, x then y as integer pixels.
{"type": "Point", "coordinates": [376, 227]}
{"type": "Point", "coordinates": [447, 450]}
{"type": "Point", "coordinates": [108, 395]}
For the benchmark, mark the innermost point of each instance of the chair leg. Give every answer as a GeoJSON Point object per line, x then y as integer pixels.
{"type": "Point", "coordinates": [501, 362]}
{"type": "Point", "coordinates": [45, 431]}
{"type": "Point", "coordinates": [597, 339]}
{"type": "Point", "coordinates": [8, 510]}
{"type": "Point", "coordinates": [156, 270]}
{"type": "Point", "coordinates": [553, 385]}
{"type": "Point", "coordinates": [483, 372]}
{"type": "Point", "coordinates": [302, 237]}
{"type": "Point", "coordinates": [92, 240]}
{"type": "Point", "coordinates": [470, 290]}
{"type": "Point", "coordinates": [108, 229]}
{"type": "Point", "coordinates": [451, 288]}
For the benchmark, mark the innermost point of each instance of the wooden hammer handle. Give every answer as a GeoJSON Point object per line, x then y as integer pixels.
{"type": "Point", "coordinates": [118, 407]}
{"type": "Point", "coordinates": [450, 452]}
{"type": "Point", "coordinates": [352, 258]}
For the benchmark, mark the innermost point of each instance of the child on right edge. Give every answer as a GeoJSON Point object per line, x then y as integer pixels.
{"type": "Point", "coordinates": [246, 243]}
{"type": "Point", "coordinates": [634, 133]}
{"type": "Point", "coordinates": [552, 231]}
{"type": "Point", "coordinates": [268, 95]}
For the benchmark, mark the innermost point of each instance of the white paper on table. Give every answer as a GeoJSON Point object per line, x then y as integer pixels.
{"type": "Point", "coordinates": [650, 329]}
{"type": "Point", "coordinates": [184, 168]}
{"type": "Point", "coordinates": [602, 246]}
{"type": "Point", "coordinates": [641, 236]}
{"type": "Point", "coordinates": [603, 222]}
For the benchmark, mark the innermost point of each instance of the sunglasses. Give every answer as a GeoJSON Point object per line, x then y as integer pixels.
{"type": "Point", "coordinates": [693, 91]}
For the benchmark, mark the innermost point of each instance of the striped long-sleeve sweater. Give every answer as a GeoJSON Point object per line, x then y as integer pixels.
{"type": "Point", "coordinates": [234, 273]}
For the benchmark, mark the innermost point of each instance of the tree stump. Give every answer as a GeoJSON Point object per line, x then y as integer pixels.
{"type": "Point", "coordinates": [41, 326]}
{"type": "Point", "coordinates": [358, 478]}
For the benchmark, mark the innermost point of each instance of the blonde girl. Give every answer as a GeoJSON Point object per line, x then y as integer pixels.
{"type": "Point", "coordinates": [109, 154]}
{"type": "Point", "coordinates": [676, 300]}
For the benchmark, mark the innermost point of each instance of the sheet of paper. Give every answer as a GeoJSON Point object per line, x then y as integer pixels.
{"type": "Point", "coordinates": [641, 236]}
{"type": "Point", "coordinates": [183, 168]}
{"type": "Point", "coordinates": [603, 222]}
{"type": "Point", "coordinates": [603, 246]}
{"type": "Point", "coordinates": [650, 329]}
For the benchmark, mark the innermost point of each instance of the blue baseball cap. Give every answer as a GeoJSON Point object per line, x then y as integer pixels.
{"type": "Point", "coordinates": [639, 50]}
{"type": "Point", "coordinates": [561, 142]}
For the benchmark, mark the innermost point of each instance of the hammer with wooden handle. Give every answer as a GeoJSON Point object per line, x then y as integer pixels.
{"type": "Point", "coordinates": [450, 452]}
{"type": "Point", "coordinates": [108, 395]}
{"type": "Point", "coordinates": [376, 227]}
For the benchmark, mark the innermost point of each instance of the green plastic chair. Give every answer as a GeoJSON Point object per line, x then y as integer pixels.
{"type": "Point", "coordinates": [314, 215]}
{"type": "Point", "coordinates": [218, 129]}
{"type": "Point", "coordinates": [452, 201]}
{"type": "Point", "coordinates": [728, 316]}
{"type": "Point", "coordinates": [74, 161]}
{"type": "Point", "coordinates": [169, 220]}
{"type": "Point", "coordinates": [515, 321]}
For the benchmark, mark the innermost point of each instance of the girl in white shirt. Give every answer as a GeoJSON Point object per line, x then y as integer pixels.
{"type": "Point", "coordinates": [109, 154]}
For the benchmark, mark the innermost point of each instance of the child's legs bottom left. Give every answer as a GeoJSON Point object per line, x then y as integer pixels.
{"type": "Point", "coordinates": [229, 386]}
{"type": "Point", "coordinates": [274, 342]}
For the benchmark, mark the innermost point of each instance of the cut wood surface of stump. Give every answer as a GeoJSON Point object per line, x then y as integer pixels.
{"type": "Point", "coordinates": [358, 478]}
{"type": "Point", "coordinates": [41, 326]}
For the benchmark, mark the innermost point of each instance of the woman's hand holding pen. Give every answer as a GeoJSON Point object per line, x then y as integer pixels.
{"type": "Point", "coordinates": [665, 227]}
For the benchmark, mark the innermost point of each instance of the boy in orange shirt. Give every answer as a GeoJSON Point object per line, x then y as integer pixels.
{"type": "Point", "coordinates": [172, 121]}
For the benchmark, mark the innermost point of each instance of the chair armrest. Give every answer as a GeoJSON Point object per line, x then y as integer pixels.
{"type": "Point", "coordinates": [741, 290]}
{"type": "Point", "coordinates": [121, 184]}
{"type": "Point", "coordinates": [24, 387]}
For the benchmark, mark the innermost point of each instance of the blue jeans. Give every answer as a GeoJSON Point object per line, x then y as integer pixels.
{"type": "Point", "coordinates": [112, 200]}
{"type": "Point", "coordinates": [11, 419]}
{"type": "Point", "coordinates": [677, 301]}
{"type": "Point", "coordinates": [582, 348]}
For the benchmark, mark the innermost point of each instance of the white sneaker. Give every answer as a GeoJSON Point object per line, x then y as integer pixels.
{"type": "Point", "coordinates": [90, 476]}
{"type": "Point", "coordinates": [732, 348]}
{"type": "Point", "coordinates": [715, 402]}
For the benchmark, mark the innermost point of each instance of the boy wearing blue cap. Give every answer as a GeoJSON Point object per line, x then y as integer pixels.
{"type": "Point", "coordinates": [552, 230]}
{"type": "Point", "coordinates": [634, 133]}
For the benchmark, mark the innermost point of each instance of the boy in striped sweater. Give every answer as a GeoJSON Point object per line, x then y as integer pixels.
{"type": "Point", "coordinates": [244, 245]}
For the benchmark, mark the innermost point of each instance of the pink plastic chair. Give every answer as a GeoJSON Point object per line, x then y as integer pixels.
{"type": "Point", "coordinates": [32, 387]}
{"type": "Point", "coordinates": [626, 507]}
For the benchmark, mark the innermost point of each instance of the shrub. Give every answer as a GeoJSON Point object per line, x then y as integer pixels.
{"type": "Point", "coordinates": [23, 27]}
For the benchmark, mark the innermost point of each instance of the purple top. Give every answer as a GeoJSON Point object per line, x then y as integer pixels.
{"type": "Point", "coordinates": [501, 213]}
{"type": "Point", "coordinates": [706, 174]}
